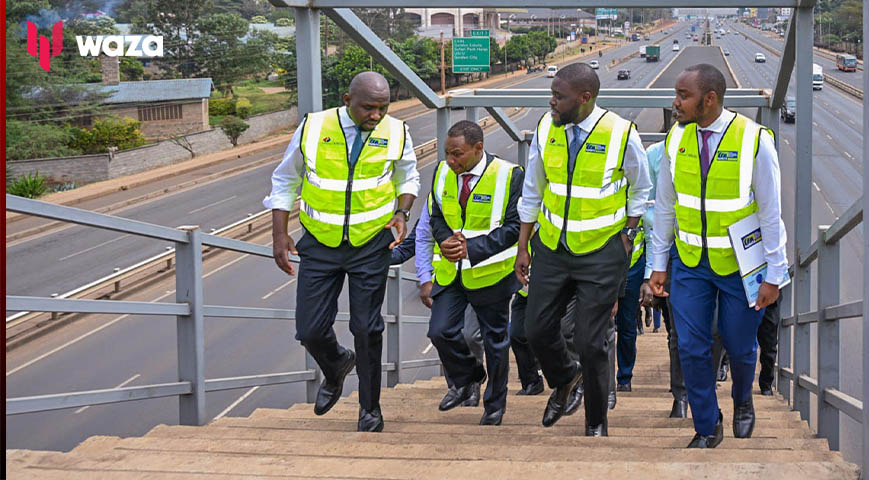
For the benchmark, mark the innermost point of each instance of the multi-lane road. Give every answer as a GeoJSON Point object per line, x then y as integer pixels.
{"type": "Point", "coordinates": [107, 351]}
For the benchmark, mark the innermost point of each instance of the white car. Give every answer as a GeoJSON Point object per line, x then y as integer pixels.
{"type": "Point", "coordinates": [593, 64]}
{"type": "Point", "coordinates": [675, 47]}
{"type": "Point", "coordinates": [759, 58]}
{"type": "Point", "coordinates": [551, 71]}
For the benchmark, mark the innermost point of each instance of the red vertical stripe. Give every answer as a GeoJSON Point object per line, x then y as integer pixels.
{"type": "Point", "coordinates": [31, 38]}
{"type": "Point", "coordinates": [44, 53]}
{"type": "Point", "coordinates": [57, 38]}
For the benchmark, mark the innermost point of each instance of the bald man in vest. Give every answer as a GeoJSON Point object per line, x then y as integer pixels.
{"type": "Point", "coordinates": [351, 163]}
{"type": "Point", "coordinates": [475, 223]}
{"type": "Point", "coordinates": [719, 167]}
{"type": "Point", "coordinates": [581, 161]}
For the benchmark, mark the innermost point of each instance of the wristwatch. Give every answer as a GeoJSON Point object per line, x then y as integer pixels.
{"type": "Point", "coordinates": [406, 213]}
{"type": "Point", "coordinates": [631, 233]}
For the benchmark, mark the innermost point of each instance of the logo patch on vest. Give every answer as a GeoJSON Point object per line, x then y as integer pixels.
{"type": "Point", "coordinates": [595, 148]}
{"type": "Point", "coordinates": [552, 140]}
{"type": "Point", "coordinates": [482, 198]}
{"type": "Point", "coordinates": [752, 238]}
{"type": "Point", "coordinates": [729, 156]}
{"type": "Point", "coordinates": [377, 142]}
{"type": "Point", "coordinates": [327, 139]}
{"type": "Point", "coordinates": [681, 149]}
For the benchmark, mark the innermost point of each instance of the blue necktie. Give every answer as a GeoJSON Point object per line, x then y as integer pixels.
{"type": "Point", "coordinates": [357, 147]}
{"type": "Point", "coordinates": [574, 147]}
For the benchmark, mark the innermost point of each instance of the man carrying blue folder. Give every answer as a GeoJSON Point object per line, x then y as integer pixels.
{"type": "Point", "coordinates": [719, 167]}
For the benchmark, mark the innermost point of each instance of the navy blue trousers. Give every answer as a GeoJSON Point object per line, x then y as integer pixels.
{"type": "Point", "coordinates": [694, 294]}
{"type": "Point", "coordinates": [626, 322]}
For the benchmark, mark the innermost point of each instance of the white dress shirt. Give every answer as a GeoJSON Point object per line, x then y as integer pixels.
{"type": "Point", "coordinates": [287, 177]}
{"type": "Point", "coordinates": [635, 166]}
{"type": "Point", "coordinates": [766, 185]}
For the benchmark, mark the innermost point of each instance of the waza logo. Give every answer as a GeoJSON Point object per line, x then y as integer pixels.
{"type": "Point", "coordinates": [43, 53]}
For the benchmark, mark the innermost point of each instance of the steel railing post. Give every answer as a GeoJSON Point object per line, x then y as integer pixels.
{"type": "Point", "coordinates": [523, 153]}
{"type": "Point", "coordinates": [312, 386]}
{"type": "Point", "coordinates": [393, 330]}
{"type": "Point", "coordinates": [785, 348]}
{"type": "Point", "coordinates": [827, 339]}
{"type": "Point", "coordinates": [191, 328]}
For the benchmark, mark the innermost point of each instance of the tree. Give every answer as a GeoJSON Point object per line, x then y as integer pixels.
{"type": "Point", "coordinates": [255, 8]}
{"type": "Point", "coordinates": [22, 143]}
{"type": "Point", "coordinates": [283, 22]}
{"type": "Point", "coordinates": [233, 127]}
{"type": "Point", "coordinates": [122, 133]}
{"type": "Point", "coordinates": [387, 22]}
{"type": "Point", "coordinates": [131, 69]}
{"type": "Point", "coordinates": [259, 19]}
{"type": "Point", "coordinates": [224, 56]}
{"type": "Point", "coordinates": [177, 23]}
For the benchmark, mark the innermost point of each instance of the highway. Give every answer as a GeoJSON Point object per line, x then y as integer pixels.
{"type": "Point", "coordinates": [106, 351]}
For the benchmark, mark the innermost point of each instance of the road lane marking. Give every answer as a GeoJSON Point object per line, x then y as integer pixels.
{"type": "Point", "coordinates": [787, 142]}
{"type": "Point", "coordinates": [816, 186]}
{"type": "Point", "coordinates": [428, 348]}
{"type": "Point", "coordinates": [235, 403]}
{"type": "Point", "coordinates": [213, 204]}
{"type": "Point", "coordinates": [122, 384]}
{"type": "Point", "coordinates": [829, 137]}
{"type": "Point", "coordinates": [852, 122]}
{"type": "Point", "coordinates": [266, 296]}
{"type": "Point", "coordinates": [849, 155]}
{"type": "Point", "coordinates": [94, 247]}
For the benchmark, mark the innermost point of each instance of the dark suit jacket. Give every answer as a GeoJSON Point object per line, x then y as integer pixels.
{"type": "Point", "coordinates": [406, 249]}
{"type": "Point", "coordinates": [483, 247]}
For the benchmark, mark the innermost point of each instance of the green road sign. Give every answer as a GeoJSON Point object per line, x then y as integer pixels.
{"type": "Point", "coordinates": [479, 33]}
{"type": "Point", "coordinates": [471, 54]}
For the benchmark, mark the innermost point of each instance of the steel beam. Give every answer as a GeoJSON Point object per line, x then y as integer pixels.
{"type": "Point", "coordinates": [309, 81]}
{"type": "Point", "coordinates": [247, 381]}
{"type": "Point", "coordinates": [619, 101]}
{"type": "Point", "coordinates": [393, 330]}
{"type": "Point", "coordinates": [865, 325]}
{"type": "Point", "coordinates": [786, 66]}
{"type": "Point", "coordinates": [803, 203]}
{"type": "Point", "coordinates": [191, 329]}
{"type": "Point", "coordinates": [506, 123]}
{"type": "Point", "coordinates": [367, 39]}
{"type": "Point", "coordinates": [75, 305]}
{"type": "Point", "coordinates": [827, 338]}
{"type": "Point", "coordinates": [41, 403]}
{"type": "Point", "coordinates": [610, 92]}
{"type": "Point", "coordinates": [443, 126]}
{"type": "Point", "coordinates": [542, 3]}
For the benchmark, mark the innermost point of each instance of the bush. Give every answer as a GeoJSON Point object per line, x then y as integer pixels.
{"type": "Point", "coordinates": [29, 186]}
{"type": "Point", "coordinates": [233, 127]}
{"type": "Point", "coordinates": [283, 22]}
{"type": "Point", "coordinates": [221, 106]}
{"type": "Point", "coordinates": [22, 143]}
{"type": "Point", "coordinates": [242, 108]}
{"type": "Point", "coordinates": [259, 19]}
{"type": "Point", "coordinates": [111, 132]}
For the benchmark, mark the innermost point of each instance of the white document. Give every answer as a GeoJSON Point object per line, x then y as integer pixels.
{"type": "Point", "coordinates": [747, 244]}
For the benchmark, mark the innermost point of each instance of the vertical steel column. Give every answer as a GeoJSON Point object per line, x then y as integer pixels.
{"type": "Point", "coordinates": [471, 114]}
{"type": "Point", "coordinates": [773, 123]}
{"type": "Point", "coordinates": [312, 386]}
{"type": "Point", "coordinates": [443, 119]}
{"type": "Point", "coordinates": [393, 330]}
{"type": "Point", "coordinates": [190, 328]}
{"type": "Point", "coordinates": [865, 466]}
{"type": "Point", "coordinates": [309, 81]}
{"type": "Point", "coordinates": [827, 341]}
{"type": "Point", "coordinates": [783, 359]}
{"type": "Point", "coordinates": [803, 205]}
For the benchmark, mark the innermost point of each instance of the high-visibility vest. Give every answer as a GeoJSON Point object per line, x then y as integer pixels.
{"type": "Point", "coordinates": [706, 207]}
{"type": "Point", "coordinates": [589, 203]}
{"type": "Point", "coordinates": [484, 212]}
{"type": "Point", "coordinates": [639, 245]}
{"type": "Point", "coordinates": [334, 194]}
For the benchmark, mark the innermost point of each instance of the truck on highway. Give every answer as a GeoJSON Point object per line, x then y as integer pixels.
{"type": "Point", "coordinates": [817, 77]}
{"type": "Point", "coordinates": [653, 53]}
{"type": "Point", "coordinates": [643, 51]}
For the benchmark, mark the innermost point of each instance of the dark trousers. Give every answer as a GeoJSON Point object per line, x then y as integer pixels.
{"type": "Point", "coordinates": [677, 381]}
{"type": "Point", "coordinates": [445, 332]}
{"type": "Point", "coordinates": [473, 337]}
{"type": "Point", "coordinates": [321, 277]}
{"type": "Point", "coordinates": [526, 362]}
{"type": "Point", "coordinates": [695, 293]}
{"type": "Point", "coordinates": [767, 339]}
{"type": "Point", "coordinates": [595, 279]}
{"type": "Point", "coordinates": [626, 322]}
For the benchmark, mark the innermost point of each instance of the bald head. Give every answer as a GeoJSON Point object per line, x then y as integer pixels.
{"type": "Point", "coordinates": [581, 77]}
{"type": "Point", "coordinates": [367, 99]}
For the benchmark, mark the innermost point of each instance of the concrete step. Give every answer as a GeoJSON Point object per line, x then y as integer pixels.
{"type": "Point", "coordinates": [317, 437]}
{"type": "Point", "coordinates": [165, 463]}
{"type": "Point", "coordinates": [368, 447]}
{"type": "Point", "coordinates": [568, 426]}
{"type": "Point", "coordinates": [472, 416]}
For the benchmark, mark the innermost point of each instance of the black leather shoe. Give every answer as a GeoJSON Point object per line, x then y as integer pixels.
{"type": "Point", "coordinates": [330, 390]}
{"type": "Point", "coordinates": [449, 399]}
{"type": "Point", "coordinates": [596, 430]}
{"type": "Point", "coordinates": [722, 373]}
{"type": "Point", "coordinates": [743, 419]}
{"type": "Point", "coordinates": [370, 421]}
{"type": "Point", "coordinates": [474, 399]}
{"type": "Point", "coordinates": [535, 388]}
{"type": "Point", "coordinates": [680, 408]}
{"type": "Point", "coordinates": [575, 399]}
{"type": "Point", "coordinates": [766, 390]}
{"type": "Point", "coordinates": [709, 441]}
{"type": "Point", "coordinates": [623, 387]}
{"type": "Point", "coordinates": [559, 398]}
{"type": "Point", "coordinates": [493, 418]}
{"type": "Point", "coordinates": [611, 400]}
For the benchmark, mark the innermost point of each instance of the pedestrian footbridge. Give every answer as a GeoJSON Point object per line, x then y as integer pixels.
{"type": "Point", "coordinates": [420, 442]}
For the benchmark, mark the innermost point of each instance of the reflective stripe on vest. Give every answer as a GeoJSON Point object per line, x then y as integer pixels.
{"type": "Point", "coordinates": [333, 194]}
{"type": "Point", "coordinates": [594, 196]}
{"type": "Point", "coordinates": [704, 209]}
{"type": "Point", "coordinates": [639, 244]}
{"type": "Point", "coordinates": [484, 212]}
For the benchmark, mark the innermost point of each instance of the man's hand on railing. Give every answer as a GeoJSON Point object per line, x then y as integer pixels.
{"type": "Point", "coordinates": [766, 296]}
{"type": "Point", "coordinates": [282, 246]}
